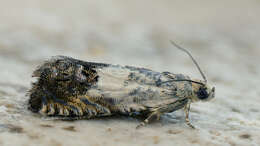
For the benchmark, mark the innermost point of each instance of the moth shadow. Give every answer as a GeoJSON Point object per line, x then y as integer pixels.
{"type": "Point", "coordinates": [174, 118]}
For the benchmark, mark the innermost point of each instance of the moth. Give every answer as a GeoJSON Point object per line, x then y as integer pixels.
{"type": "Point", "coordinates": [75, 89]}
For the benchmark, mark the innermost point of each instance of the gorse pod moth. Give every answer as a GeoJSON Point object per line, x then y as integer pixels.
{"type": "Point", "coordinates": [76, 89]}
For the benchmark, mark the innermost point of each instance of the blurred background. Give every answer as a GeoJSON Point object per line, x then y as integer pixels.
{"type": "Point", "coordinates": [223, 36]}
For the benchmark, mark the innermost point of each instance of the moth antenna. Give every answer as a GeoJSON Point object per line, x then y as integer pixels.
{"type": "Point", "coordinates": [181, 80]}
{"type": "Point", "coordinates": [194, 61]}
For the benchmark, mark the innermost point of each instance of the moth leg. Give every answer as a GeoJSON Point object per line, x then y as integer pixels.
{"type": "Point", "coordinates": [187, 111]}
{"type": "Point", "coordinates": [178, 104]}
{"type": "Point", "coordinates": [153, 116]}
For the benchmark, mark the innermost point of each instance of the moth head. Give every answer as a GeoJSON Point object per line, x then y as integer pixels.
{"type": "Point", "coordinates": [202, 92]}
{"type": "Point", "coordinates": [200, 89]}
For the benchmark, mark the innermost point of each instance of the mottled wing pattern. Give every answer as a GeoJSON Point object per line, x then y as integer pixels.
{"type": "Point", "coordinates": [129, 90]}
{"type": "Point", "coordinates": [73, 88]}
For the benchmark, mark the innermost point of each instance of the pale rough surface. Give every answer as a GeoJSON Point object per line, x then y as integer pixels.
{"type": "Point", "coordinates": [222, 35]}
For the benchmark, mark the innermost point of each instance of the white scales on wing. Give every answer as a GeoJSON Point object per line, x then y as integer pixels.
{"type": "Point", "coordinates": [131, 85]}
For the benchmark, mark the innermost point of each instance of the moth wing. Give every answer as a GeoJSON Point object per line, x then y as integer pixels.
{"type": "Point", "coordinates": [97, 89]}
{"type": "Point", "coordinates": [127, 89]}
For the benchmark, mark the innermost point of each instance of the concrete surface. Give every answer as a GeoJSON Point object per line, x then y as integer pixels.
{"type": "Point", "coordinates": [222, 35]}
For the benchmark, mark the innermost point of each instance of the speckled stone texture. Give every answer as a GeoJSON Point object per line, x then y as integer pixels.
{"type": "Point", "coordinates": [222, 35]}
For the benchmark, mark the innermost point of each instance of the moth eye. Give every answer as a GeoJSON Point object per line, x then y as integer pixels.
{"type": "Point", "coordinates": [202, 93]}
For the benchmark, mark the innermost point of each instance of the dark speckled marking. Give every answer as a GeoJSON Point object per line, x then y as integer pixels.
{"type": "Point", "coordinates": [245, 136]}
{"type": "Point", "coordinates": [86, 101]}
{"type": "Point", "coordinates": [70, 128]}
{"type": "Point", "coordinates": [143, 94]}
{"type": "Point", "coordinates": [15, 128]}
{"type": "Point", "coordinates": [46, 126]}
